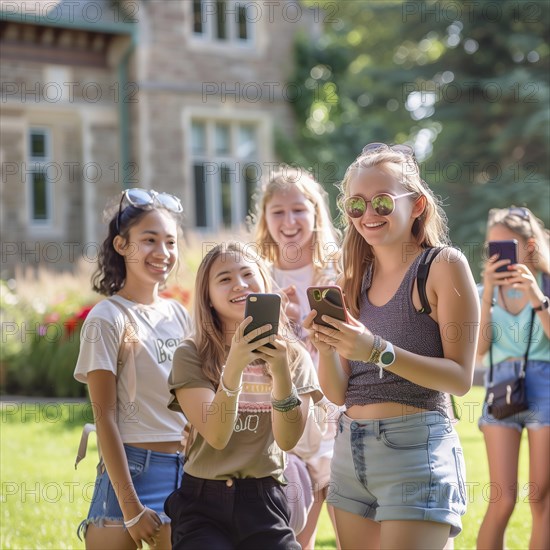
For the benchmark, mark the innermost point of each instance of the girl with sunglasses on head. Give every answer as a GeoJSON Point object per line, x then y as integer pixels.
{"type": "Point", "coordinates": [294, 233]}
{"type": "Point", "coordinates": [397, 475]}
{"type": "Point", "coordinates": [247, 403]}
{"type": "Point", "coordinates": [139, 439]}
{"type": "Point", "coordinates": [512, 296]}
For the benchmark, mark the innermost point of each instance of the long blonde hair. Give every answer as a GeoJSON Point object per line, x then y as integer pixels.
{"type": "Point", "coordinates": [209, 333]}
{"type": "Point", "coordinates": [525, 224]}
{"type": "Point", "coordinates": [326, 238]}
{"type": "Point", "coordinates": [428, 230]}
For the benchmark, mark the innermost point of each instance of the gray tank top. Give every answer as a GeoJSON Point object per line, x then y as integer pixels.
{"type": "Point", "coordinates": [399, 323]}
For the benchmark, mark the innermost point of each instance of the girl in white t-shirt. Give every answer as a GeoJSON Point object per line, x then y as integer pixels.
{"type": "Point", "coordinates": [295, 234]}
{"type": "Point", "coordinates": [139, 438]}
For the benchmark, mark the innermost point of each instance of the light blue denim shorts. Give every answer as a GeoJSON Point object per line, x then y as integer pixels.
{"type": "Point", "coordinates": [537, 389]}
{"type": "Point", "coordinates": [404, 468]}
{"type": "Point", "coordinates": [154, 475]}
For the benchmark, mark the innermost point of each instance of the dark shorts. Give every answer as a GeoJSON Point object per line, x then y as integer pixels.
{"type": "Point", "coordinates": [228, 515]}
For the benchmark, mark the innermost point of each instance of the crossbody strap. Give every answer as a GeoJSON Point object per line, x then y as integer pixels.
{"type": "Point", "coordinates": [526, 355]}
{"type": "Point", "coordinates": [126, 352]}
{"type": "Point", "coordinates": [126, 357]}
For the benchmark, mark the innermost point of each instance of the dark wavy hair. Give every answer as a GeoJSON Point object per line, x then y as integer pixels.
{"type": "Point", "coordinates": [110, 274]}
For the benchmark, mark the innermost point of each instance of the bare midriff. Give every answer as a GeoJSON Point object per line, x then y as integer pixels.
{"type": "Point", "coordinates": [381, 410]}
{"type": "Point", "coordinates": [171, 447]}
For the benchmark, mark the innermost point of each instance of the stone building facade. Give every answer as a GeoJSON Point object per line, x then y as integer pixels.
{"type": "Point", "coordinates": [183, 96]}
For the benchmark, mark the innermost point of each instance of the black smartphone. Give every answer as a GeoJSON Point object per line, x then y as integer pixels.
{"type": "Point", "coordinates": [327, 300]}
{"type": "Point", "coordinates": [506, 250]}
{"type": "Point", "coordinates": [264, 309]}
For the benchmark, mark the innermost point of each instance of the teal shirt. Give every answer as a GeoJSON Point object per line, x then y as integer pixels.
{"type": "Point", "coordinates": [510, 333]}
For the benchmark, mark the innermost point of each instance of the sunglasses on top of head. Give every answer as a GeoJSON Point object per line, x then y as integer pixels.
{"type": "Point", "coordinates": [382, 203]}
{"type": "Point", "coordinates": [146, 199]}
{"type": "Point", "coordinates": [406, 150]}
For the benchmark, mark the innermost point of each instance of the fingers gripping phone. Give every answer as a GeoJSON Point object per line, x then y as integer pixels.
{"type": "Point", "coordinates": [264, 309]}
{"type": "Point", "coordinates": [506, 250]}
{"type": "Point", "coordinates": [327, 300]}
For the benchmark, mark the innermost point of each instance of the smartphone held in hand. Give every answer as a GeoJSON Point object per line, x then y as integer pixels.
{"type": "Point", "coordinates": [506, 250]}
{"type": "Point", "coordinates": [264, 309]}
{"type": "Point", "coordinates": [327, 300]}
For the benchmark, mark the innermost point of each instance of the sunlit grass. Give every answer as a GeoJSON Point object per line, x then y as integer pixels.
{"type": "Point", "coordinates": [43, 498]}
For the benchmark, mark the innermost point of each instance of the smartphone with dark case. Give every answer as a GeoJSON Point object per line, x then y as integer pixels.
{"type": "Point", "coordinates": [327, 300]}
{"type": "Point", "coordinates": [264, 309]}
{"type": "Point", "coordinates": [506, 250]}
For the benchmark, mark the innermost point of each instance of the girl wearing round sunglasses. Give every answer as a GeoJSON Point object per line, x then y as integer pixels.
{"type": "Point", "coordinates": [397, 476]}
{"type": "Point", "coordinates": [140, 439]}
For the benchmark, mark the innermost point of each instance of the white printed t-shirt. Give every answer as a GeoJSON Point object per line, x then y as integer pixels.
{"type": "Point", "coordinates": [160, 328]}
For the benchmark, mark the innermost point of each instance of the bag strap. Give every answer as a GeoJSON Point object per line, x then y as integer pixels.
{"type": "Point", "coordinates": [525, 356]}
{"type": "Point", "coordinates": [126, 354]}
{"type": "Point", "coordinates": [422, 277]}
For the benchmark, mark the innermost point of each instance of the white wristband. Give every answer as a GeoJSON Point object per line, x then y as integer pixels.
{"type": "Point", "coordinates": [133, 521]}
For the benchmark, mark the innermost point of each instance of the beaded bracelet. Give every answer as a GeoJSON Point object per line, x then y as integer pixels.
{"type": "Point", "coordinates": [288, 403]}
{"type": "Point", "coordinates": [228, 392]}
{"type": "Point", "coordinates": [133, 521]}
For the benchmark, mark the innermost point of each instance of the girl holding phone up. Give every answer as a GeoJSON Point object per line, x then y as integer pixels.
{"type": "Point", "coordinates": [247, 402]}
{"type": "Point", "coordinates": [512, 298]}
{"type": "Point", "coordinates": [397, 476]}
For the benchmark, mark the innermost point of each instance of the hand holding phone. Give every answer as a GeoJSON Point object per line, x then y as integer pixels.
{"type": "Point", "coordinates": [264, 309]}
{"type": "Point", "coordinates": [327, 300]}
{"type": "Point", "coordinates": [506, 250]}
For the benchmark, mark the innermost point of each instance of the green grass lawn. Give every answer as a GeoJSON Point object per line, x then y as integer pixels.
{"type": "Point", "coordinates": [43, 498]}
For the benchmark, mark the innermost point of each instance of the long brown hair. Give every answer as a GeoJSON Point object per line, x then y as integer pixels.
{"type": "Point", "coordinates": [209, 334]}
{"type": "Point", "coordinates": [429, 229]}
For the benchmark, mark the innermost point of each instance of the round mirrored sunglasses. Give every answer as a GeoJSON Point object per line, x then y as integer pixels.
{"type": "Point", "coordinates": [382, 203]}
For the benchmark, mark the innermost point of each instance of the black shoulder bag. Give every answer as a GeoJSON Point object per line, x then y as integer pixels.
{"type": "Point", "coordinates": [508, 397]}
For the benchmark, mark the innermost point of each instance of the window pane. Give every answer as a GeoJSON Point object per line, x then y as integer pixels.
{"type": "Point", "coordinates": [242, 22]}
{"type": "Point", "coordinates": [197, 16]}
{"type": "Point", "coordinates": [251, 177]}
{"type": "Point", "coordinates": [39, 196]}
{"type": "Point", "coordinates": [247, 142]}
{"type": "Point", "coordinates": [222, 139]}
{"type": "Point", "coordinates": [221, 20]}
{"type": "Point", "coordinates": [38, 145]}
{"type": "Point", "coordinates": [225, 184]}
{"type": "Point", "coordinates": [200, 195]}
{"type": "Point", "coordinates": [198, 138]}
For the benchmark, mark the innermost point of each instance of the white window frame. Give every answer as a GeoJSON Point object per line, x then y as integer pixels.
{"type": "Point", "coordinates": [210, 20]}
{"type": "Point", "coordinates": [213, 191]}
{"type": "Point", "coordinates": [39, 165]}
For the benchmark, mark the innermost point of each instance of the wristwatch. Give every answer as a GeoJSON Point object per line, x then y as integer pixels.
{"type": "Point", "coordinates": [382, 354]}
{"type": "Point", "coordinates": [543, 305]}
{"type": "Point", "coordinates": [387, 356]}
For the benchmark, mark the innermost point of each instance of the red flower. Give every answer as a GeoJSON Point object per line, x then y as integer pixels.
{"type": "Point", "coordinates": [182, 295]}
